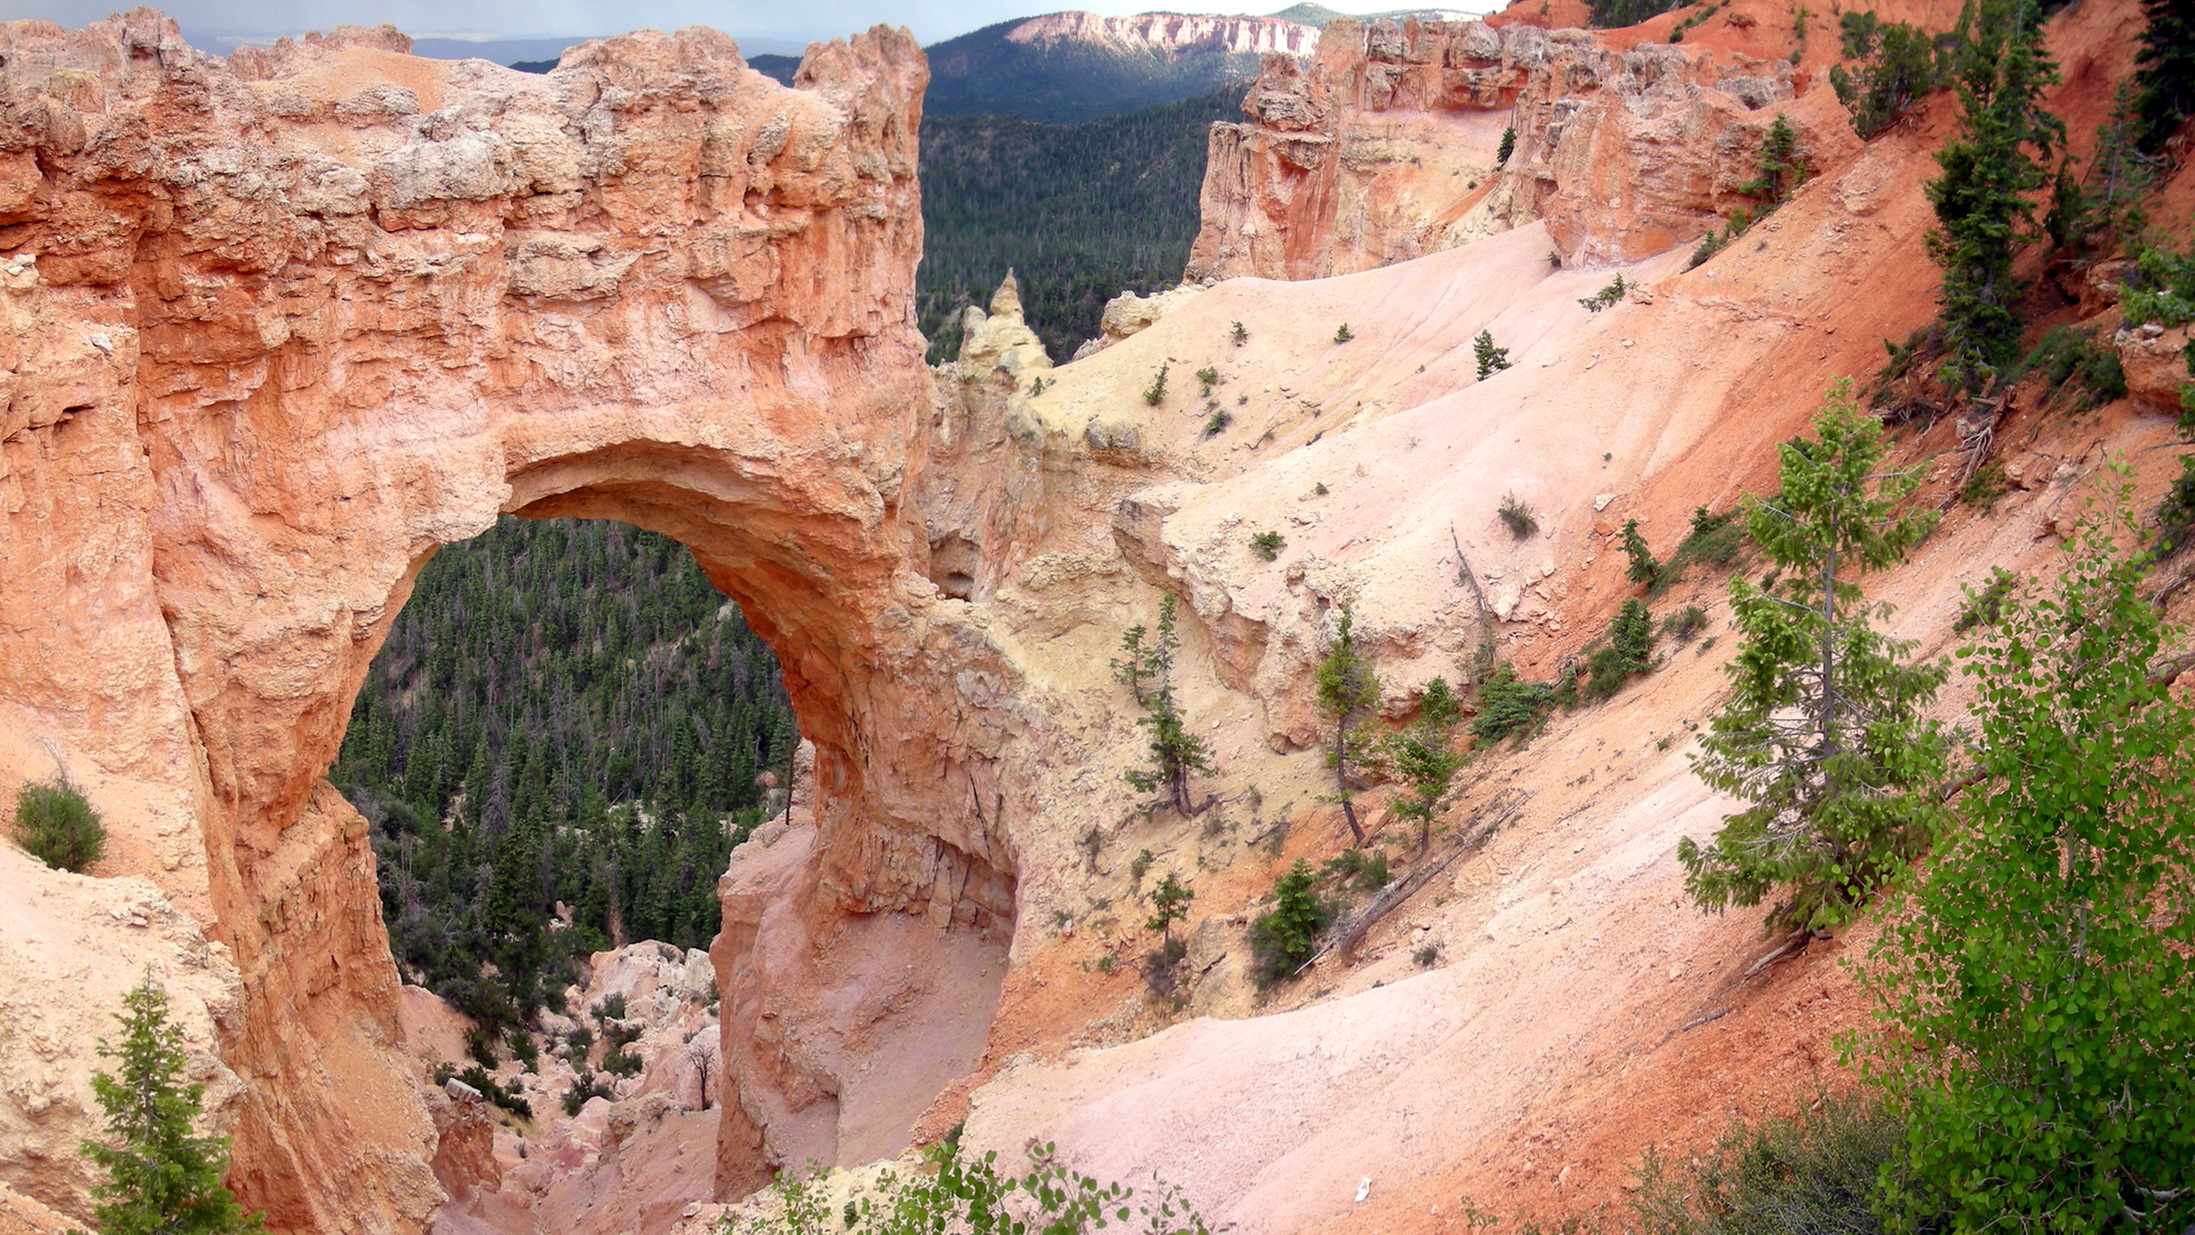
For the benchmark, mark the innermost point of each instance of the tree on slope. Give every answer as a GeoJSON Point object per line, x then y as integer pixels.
{"type": "Point", "coordinates": [2039, 995]}
{"type": "Point", "coordinates": [1822, 734]}
{"type": "Point", "coordinates": [1425, 757]}
{"type": "Point", "coordinates": [1347, 689]}
{"type": "Point", "coordinates": [1982, 214]}
{"type": "Point", "coordinates": [2164, 79]}
{"type": "Point", "coordinates": [1149, 671]}
{"type": "Point", "coordinates": [162, 1177]}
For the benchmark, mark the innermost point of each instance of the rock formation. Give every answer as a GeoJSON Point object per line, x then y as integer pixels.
{"type": "Point", "coordinates": [274, 328]}
{"type": "Point", "coordinates": [1384, 146]}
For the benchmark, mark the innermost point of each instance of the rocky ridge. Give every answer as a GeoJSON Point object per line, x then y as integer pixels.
{"type": "Point", "coordinates": [1385, 146]}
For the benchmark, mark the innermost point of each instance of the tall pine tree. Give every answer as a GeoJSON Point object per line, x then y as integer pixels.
{"type": "Point", "coordinates": [1982, 213]}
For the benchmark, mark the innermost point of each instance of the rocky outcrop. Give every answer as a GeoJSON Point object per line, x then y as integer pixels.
{"type": "Point", "coordinates": [274, 328]}
{"type": "Point", "coordinates": [1385, 145]}
{"type": "Point", "coordinates": [1170, 32]}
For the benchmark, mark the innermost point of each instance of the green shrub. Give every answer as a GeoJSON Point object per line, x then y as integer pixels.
{"type": "Point", "coordinates": [1518, 516]}
{"type": "Point", "coordinates": [1491, 359]}
{"type": "Point", "coordinates": [1217, 422]}
{"type": "Point", "coordinates": [1813, 1170]}
{"type": "Point", "coordinates": [585, 1085]}
{"type": "Point", "coordinates": [2066, 355]}
{"type": "Point", "coordinates": [2176, 514]}
{"type": "Point", "coordinates": [1358, 870]}
{"type": "Point", "coordinates": [1983, 604]}
{"type": "Point", "coordinates": [1239, 335]}
{"type": "Point", "coordinates": [1643, 568]}
{"type": "Point", "coordinates": [1207, 377]}
{"type": "Point", "coordinates": [2164, 287]}
{"type": "Point", "coordinates": [1628, 653]}
{"type": "Point", "coordinates": [1343, 334]}
{"type": "Point", "coordinates": [612, 1008]}
{"type": "Point", "coordinates": [1285, 937]}
{"type": "Point", "coordinates": [1509, 705]}
{"type": "Point", "coordinates": [1606, 297]}
{"type": "Point", "coordinates": [56, 825]}
{"type": "Point", "coordinates": [480, 1044]}
{"type": "Point", "coordinates": [1267, 545]}
{"type": "Point", "coordinates": [1898, 65]}
{"type": "Point", "coordinates": [1685, 623]}
{"type": "Point", "coordinates": [1985, 487]}
{"type": "Point", "coordinates": [1155, 393]}
{"type": "Point", "coordinates": [621, 1062]}
{"type": "Point", "coordinates": [1508, 145]}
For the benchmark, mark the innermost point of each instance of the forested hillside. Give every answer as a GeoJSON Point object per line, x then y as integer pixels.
{"type": "Point", "coordinates": [566, 713]}
{"type": "Point", "coordinates": [1080, 212]}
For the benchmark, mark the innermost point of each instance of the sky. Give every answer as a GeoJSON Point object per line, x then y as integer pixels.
{"type": "Point", "coordinates": [203, 21]}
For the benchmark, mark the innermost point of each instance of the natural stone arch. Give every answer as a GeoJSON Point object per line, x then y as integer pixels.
{"type": "Point", "coordinates": [275, 328]}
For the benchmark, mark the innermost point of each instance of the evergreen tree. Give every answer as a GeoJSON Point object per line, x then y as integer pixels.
{"type": "Point", "coordinates": [1169, 904]}
{"type": "Point", "coordinates": [1898, 66]}
{"type": "Point", "coordinates": [2005, 140]}
{"type": "Point", "coordinates": [2036, 993]}
{"type": "Point", "coordinates": [1822, 733]}
{"type": "Point", "coordinates": [1643, 568]}
{"type": "Point", "coordinates": [162, 1177]}
{"type": "Point", "coordinates": [1347, 689]}
{"type": "Point", "coordinates": [1284, 938]}
{"type": "Point", "coordinates": [1425, 756]}
{"type": "Point", "coordinates": [2164, 77]}
{"type": "Point", "coordinates": [1175, 752]}
{"type": "Point", "coordinates": [1491, 359]}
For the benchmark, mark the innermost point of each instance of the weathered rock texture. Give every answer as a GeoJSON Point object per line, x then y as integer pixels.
{"type": "Point", "coordinates": [1384, 146]}
{"type": "Point", "coordinates": [275, 328]}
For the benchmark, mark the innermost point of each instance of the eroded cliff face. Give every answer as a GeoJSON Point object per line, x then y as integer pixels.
{"type": "Point", "coordinates": [275, 328]}
{"type": "Point", "coordinates": [1385, 145]}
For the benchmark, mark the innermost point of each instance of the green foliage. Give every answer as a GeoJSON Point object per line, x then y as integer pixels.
{"type": "Point", "coordinates": [1898, 65]}
{"type": "Point", "coordinates": [1342, 334]}
{"type": "Point", "coordinates": [585, 1085]}
{"type": "Point", "coordinates": [1284, 938]}
{"type": "Point", "coordinates": [1424, 757]}
{"type": "Point", "coordinates": [1508, 145]}
{"type": "Point", "coordinates": [1822, 733]}
{"type": "Point", "coordinates": [1347, 689]}
{"type": "Point", "coordinates": [1611, 14]}
{"type": "Point", "coordinates": [1627, 653]}
{"type": "Point", "coordinates": [1783, 168]}
{"type": "Point", "coordinates": [968, 1196]}
{"type": "Point", "coordinates": [162, 1177]}
{"type": "Point", "coordinates": [1684, 624]}
{"type": "Point", "coordinates": [1984, 604]}
{"type": "Point", "coordinates": [1155, 393]}
{"type": "Point", "coordinates": [1813, 1170]}
{"type": "Point", "coordinates": [1714, 540]}
{"type": "Point", "coordinates": [1175, 752]}
{"type": "Point", "coordinates": [511, 1097]}
{"type": "Point", "coordinates": [2038, 998]}
{"type": "Point", "coordinates": [2164, 77]}
{"type": "Point", "coordinates": [1217, 422]}
{"type": "Point", "coordinates": [1169, 904]}
{"type": "Point", "coordinates": [564, 711]}
{"type": "Point", "coordinates": [2176, 514]}
{"type": "Point", "coordinates": [1237, 334]}
{"type": "Point", "coordinates": [1518, 516]}
{"type": "Point", "coordinates": [58, 826]}
{"type": "Point", "coordinates": [2066, 358]}
{"type": "Point", "coordinates": [2094, 211]}
{"type": "Point", "coordinates": [1207, 377]}
{"type": "Point", "coordinates": [1357, 870]}
{"type": "Point", "coordinates": [1643, 568]}
{"type": "Point", "coordinates": [1080, 212]}
{"type": "Point", "coordinates": [1607, 296]}
{"type": "Point", "coordinates": [1509, 705]}
{"type": "Point", "coordinates": [620, 1062]}
{"type": "Point", "coordinates": [1267, 545]}
{"type": "Point", "coordinates": [1715, 241]}
{"type": "Point", "coordinates": [1983, 218]}
{"type": "Point", "coordinates": [2163, 290]}
{"type": "Point", "coordinates": [1491, 359]}
{"type": "Point", "coordinates": [1985, 487]}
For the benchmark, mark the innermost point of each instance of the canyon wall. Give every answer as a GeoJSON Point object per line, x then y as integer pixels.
{"type": "Point", "coordinates": [1385, 146]}
{"type": "Point", "coordinates": [274, 328]}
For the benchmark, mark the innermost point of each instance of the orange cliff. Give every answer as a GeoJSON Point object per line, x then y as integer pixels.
{"type": "Point", "coordinates": [1384, 146]}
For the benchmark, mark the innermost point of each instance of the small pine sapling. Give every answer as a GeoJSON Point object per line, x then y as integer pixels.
{"type": "Point", "coordinates": [1491, 359]}
{"type": "Point", "coordinates": [1424, 755]}
{"type": "Point", "coordinates": [1508, 145]}
{"type": "Point", "coordinates": [1155, 393]}
{"type": "Point", "coordinates": [1207, 377]}
{"type": "Point", "coordinates": [1343, 334]}
{"type": "Point", "coordinates": [1238, 335]}
{"type": "Point", "coordinates": [1175, 752]}
{"type": "Point", "coordinates": [1644, 569]}
{"type": "Point", "coordinates": [1267, 545]}
{"type": "Point", "coordinates": [1347, 690]}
